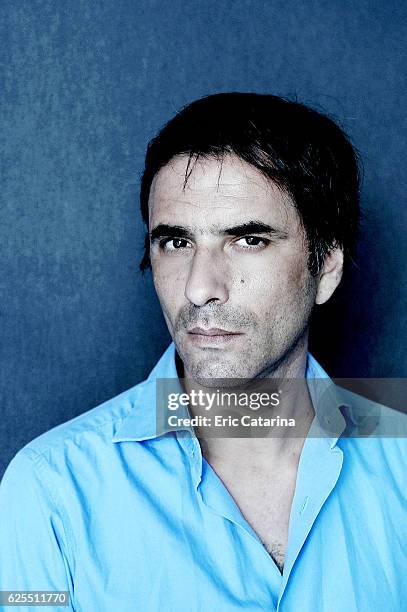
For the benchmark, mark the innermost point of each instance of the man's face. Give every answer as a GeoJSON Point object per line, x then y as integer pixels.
{"type": "Point", "coordinates": [228, 251]}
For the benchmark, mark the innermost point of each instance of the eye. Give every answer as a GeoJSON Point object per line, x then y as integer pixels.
{"type": "Point", "coordinates": [174, 244]}
{"type": "Point", "coordinates": [252, 243]}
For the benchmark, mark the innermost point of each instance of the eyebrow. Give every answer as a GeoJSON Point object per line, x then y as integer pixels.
{"type": "Point", "coordinates": [243, 229]}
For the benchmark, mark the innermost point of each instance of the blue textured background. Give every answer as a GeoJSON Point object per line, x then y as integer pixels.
{"type": "Point", "coordinates": [84, 86]}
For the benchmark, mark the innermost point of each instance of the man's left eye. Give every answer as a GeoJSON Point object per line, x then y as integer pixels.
{"type": "Point", "coordinates": [252, 242]}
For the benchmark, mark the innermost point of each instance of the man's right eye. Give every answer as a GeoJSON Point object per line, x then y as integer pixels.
{"type": "Point", "coordinates": [174, 244]}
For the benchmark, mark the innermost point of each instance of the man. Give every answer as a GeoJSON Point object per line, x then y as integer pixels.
{"type": "Point", "coordinates": [251, 205]}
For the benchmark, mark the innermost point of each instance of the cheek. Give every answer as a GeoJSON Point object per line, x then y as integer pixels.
{"type": "Point", "coordinates": [268, 278]}
{"type": "Point", "coordinates": [276, 289]}
{"type": "Point", "coordinates": [169, 284]}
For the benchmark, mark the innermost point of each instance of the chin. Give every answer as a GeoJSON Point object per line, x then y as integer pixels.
{"type": "Point", "coordinates": [208, 373]}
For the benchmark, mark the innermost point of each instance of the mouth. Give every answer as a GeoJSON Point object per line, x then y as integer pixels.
{"type": "Point", "coordinates": [212, 331]}
{"type": "Point", "coordinates": [212, 335]}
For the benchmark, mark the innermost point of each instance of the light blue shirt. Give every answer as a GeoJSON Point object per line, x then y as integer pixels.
{"type": "Point", "coordinates": [128, 520]}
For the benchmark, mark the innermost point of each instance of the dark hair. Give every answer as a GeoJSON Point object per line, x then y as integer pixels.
{"type": "Point", "coordinates": [304, 152]}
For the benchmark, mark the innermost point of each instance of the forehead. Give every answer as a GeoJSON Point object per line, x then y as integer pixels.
{"type": "Point", "coordinates": [217, 191]}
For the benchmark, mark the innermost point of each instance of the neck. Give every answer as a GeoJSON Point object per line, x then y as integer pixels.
{"type": "Point", "coordinates": [277, 446]}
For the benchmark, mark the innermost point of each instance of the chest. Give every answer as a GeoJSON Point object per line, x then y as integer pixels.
{"type": "Point", "coordinates": [265, 502]}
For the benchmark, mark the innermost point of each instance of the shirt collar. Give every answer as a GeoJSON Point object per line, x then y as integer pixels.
{"type": "Point", "coordinates": [141, 422]}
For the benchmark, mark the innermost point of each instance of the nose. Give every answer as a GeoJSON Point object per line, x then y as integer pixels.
{"type": "Point", "coordinates": [207, 280]}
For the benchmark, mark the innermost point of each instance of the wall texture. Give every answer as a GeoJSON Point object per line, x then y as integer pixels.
{"type": "Point", "coordinates": [85, 85]}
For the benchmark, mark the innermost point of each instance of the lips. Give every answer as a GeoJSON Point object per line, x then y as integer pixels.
{"type": "Point", "coordinates": [212, 331]}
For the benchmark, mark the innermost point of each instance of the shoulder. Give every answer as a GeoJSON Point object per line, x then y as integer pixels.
{"type": "Point", "coordinates": [367, 418]}
{"type": "Point", "coordinates": [376, 439]}
{"type": "Point", "coordinates": [86, 434]}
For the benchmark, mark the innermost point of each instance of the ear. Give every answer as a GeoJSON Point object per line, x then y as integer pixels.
{"type": "Point", "coordinates": [330, 275]}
